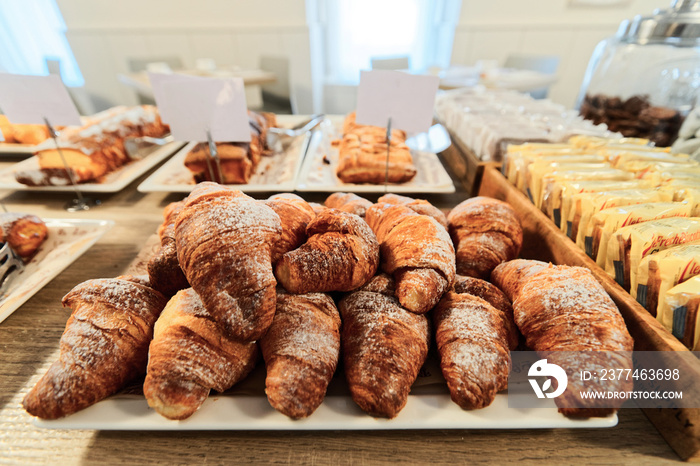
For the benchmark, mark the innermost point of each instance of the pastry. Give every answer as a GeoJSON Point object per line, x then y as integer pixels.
{"type": "Point", "coordinates": [485, 232]}
{"type": "Point", "coordinates": [301, 351]}
{"type": "Point", "coordinates": [164, 270]}
{"type": "Point", "coordinates": [419, 206]}
{"type": "Point", "coordinates": [25, 233]}
{"type": "Point", "coordinates": [295, 214]}
{"type": "Point", "coordinates": [190, 355]}
{"type": "Point", "coordinates": [348, 202]}
{"type": "Point", "coordinates": [341, 254]}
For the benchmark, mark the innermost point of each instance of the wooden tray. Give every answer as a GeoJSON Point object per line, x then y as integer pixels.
{"type": "Point", "coordinates": [546, 242]}
{"type": "Point", "coordinates": [465, 165]}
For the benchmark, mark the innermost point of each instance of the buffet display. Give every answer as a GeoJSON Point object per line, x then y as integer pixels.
{"type": "Point", "coordinates": [238, 282]}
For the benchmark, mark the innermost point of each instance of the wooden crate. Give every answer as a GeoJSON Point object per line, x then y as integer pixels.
{"type": "Point", "coordinates": [465, 165]}
{"type": "Point", "coordinates": [542, 240]}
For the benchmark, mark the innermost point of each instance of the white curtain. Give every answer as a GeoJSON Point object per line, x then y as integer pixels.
{"type": "Point", "coordinates": [32, 31]}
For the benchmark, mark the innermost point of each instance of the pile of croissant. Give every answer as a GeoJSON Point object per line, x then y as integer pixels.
{"type": "Point", "coordinates": [301, 284]}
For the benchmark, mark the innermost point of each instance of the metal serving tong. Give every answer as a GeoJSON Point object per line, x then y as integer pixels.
{"type": "Point", "coordinates": [140, 147]}
{"type": "Point", "coordinates": [10, 266]}
{"type": "Point", "coordinates": [278, 137]}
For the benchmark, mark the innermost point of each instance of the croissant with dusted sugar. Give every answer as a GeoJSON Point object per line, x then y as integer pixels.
{"type": "Point", "coordinates": [104, 345]}
{"type": "Point", "coordinates": [295, 214]}
{"type": "Point", "coordinates": [25, 233]}
{"type": "Point", "coordinates": [417, 251]}
{"type": "Point", "coordinates": [348, 202]}
{"type": "Point", "coordinates": [472, 339]}
{"type": "Point", "coordinates": [565, 310]}
{"type": "Point", "coordinates": [224, 245]}
{"type": "Point", "coordinates": [301, 350]}
{"type": "Point", "coordinates": [383, 347]}
{"type": "Point", "coordinates": [190, 355]}
{"type": "Point", "coordinates": [164, 270]}
{"type": "Point", "coordinates": [419, 206]}
{"type": "Point", "coordinates": [485, 232]}
{"type": "Point", "coordinates": [341, 254]}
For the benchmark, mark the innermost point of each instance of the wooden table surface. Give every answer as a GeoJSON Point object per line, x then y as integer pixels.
{"type": "Point", "coordinates": [30, 336]}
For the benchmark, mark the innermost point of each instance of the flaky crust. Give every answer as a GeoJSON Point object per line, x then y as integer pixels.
{"type": "Point", "coordinates": [384, 347]}
{"type": "Point", "coordinates": [190, 355]}
{"type": "Point", "coordinates": [224, 242]}
{"type": "Point", "coordinates": [417, 250]}
{"type": "Point", "coordinates": [495, 297]}
{"type": "Point", "coordinates": [348, 202]}
{"type": "Point", "coordinates": [104, 345]}
{"type": "Point", "coordinates": [472, 340]}
{"type": "Point", "coordinates": [511, 276]}
{"type": "Point", "coordinates": [25, 233]}
{"type": "Point", "coordinates": [295, 214]}
{"type": "Point", "coordinates": [341, 254]}
{"type": "Point", "coordinates": [164, 272]}
{"type": "Point", "coordinates": [485, 232]}
{"type": "Point", "coordinates": [301, 350]}
{"type": "Point", "coordinates": [419, 206]}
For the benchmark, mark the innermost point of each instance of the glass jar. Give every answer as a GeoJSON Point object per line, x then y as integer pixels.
{"type": "Point", "coordinates": [644, 80]}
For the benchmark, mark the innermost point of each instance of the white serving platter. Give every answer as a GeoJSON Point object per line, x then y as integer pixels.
{"type": "Point", "coordinates": [16, 149]}
{"type": "Point", "coordinates": [113, 182]}
{"type": "Point", "coordinates": [318, 171]}
{"type": "Point", "coordinates": [67, 240]}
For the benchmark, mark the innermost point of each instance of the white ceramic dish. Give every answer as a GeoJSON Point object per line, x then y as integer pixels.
{"type": "Point", "coordinates": [16, 149]}
{"type": "Point", "coordinates": [318, 171]}
{"type": "Point", "coordinates": [113, 182]}
{"type": "Point", "coordinates": [277, 172]}
{"type": "Point", "coordinates": [67, 240]}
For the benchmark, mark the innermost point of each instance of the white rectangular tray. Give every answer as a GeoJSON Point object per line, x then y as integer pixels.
{"type": "Point", "coordinates": [319, 176]}
{"type": "Point", "coordinates": [68, 239]}
{"type": "Point", "coordinates": [16, 149]}
{"type": "Point", "coordinates": [277, 172]}
{"type": "Point", "coordinates": [113, 182]}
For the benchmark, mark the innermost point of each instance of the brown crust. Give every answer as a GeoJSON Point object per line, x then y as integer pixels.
{"type": "Point", "coordinates": [419, 206]}
{"type": "Point", "coordinates": [295, 215]}
{"type": "Point", "coordinates": [164, 272]}
{"type": "Point", "coordinates": [348, 202]}
{"type": "Point", "coordinates": [24, 232]}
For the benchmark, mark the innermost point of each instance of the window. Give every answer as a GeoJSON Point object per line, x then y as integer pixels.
{"type": "Point", "coordinates": [32, 31]}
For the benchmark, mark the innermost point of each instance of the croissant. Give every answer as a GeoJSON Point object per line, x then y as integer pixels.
{"type": "Point", "coordinates": [383, 347]}
{"type": "Point", "coordinates": [348, 202]}
{"type": "Point", "coordinates": [295, 214]}
{"type": "Point", "coordinates": [417, 250]}
{"type": "Point", "coordinates": [190, 355]}
{"type": "Point", "coordinates": [511, 276]}
{"type": "Point", "coordinates": [104, 345]}
{"type": "Point", "coordinates": [495, 297]}
{"type": "Point", "coordinates": [485, 232]}
{"type": "Point", "coordinates": [224, 245]}
{"type": "Point", "coordinates": [419, 206]}
{"type": "Point", "coordinates": [318, 208]}
{"type": "Point", "coordinates": [472, 340]}
{"type": "Point", "coordinates": [25, 233]}
{"type": "Point", "coordinates": [565, 310]}
{"type": "Point", "coordinates": [301, 350]}
{"type": "Point", "coordinates": [164, 270]}
{"type": "Point", "coordinates": [341, 254]}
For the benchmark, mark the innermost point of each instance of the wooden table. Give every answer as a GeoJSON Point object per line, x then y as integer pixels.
{"type": "Point", "coordinates": [140, 83]}
{"type": "Point", "coordinates": [30, 336]}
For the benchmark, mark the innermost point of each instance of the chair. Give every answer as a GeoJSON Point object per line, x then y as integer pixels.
{"type": "Point", "coordinates": [391, 63]}
{"type": "Point", "coordinates": [277, 96]}
{"type": "Point", "coordinates": [546, 64]}
{"type": "Point", "coordinates": [141, 64]}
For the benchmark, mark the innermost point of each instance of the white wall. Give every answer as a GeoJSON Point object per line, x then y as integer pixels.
{"type": "Point", "coordinates": [105, 34]}
{"type": "Point", "coordinates": [492, 30]}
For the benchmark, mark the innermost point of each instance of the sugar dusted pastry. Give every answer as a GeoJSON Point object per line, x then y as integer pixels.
{"type": "Point", "coordinates": [295, 214]}
{"type": "Point", "coordinates": [348, 202]}
{"type": "Point", "coordinates": [301, 351]}
{"type": "Point", "coordinates": [164, 270]}
{"type": "Point", "coordinates": [24, 232]}
{"type": "Point", "coordinates": [189, 356]}
{"type": "Point", "coordinates": [341, 254]}
{"type": "Point", "coordinates": [420, 206]}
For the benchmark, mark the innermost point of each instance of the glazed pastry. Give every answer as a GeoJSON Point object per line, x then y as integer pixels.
{"type": "Point", "coordinates": [495, 297]}
{"type": "Point", "coordinates": [417, 251]}
{"type": "Point", "coordinates": [383, 347]}
{"type": "Point", "coordinates": [25, 233]}
{"type": "Point", "coordinates": [485, 232]}
{"type": "Point", "coordinates": [419, 206]}
{"type": "Point", "coordinates": [238, 160]}
{"type": "Point", "coordinates": [348, 202]}
{"type": "Point", "coordinates": [341, 254]}
{"type": "Point", "coordinates": [95, 149]}
{"type": "Point", "coordinates": [104, 345]}
{"type": "Point", "coordinates": [295, 214]}
{"type": "Point", "coordinates": [190, 355]}
{"type": "Point", "coordinates": [164, 270]}
{"type": "Point", "coordinates": [301, 351]}
{"type": "Point", "coordinates": [472, 340]}
{"type": "Point", "coordinates": [363, 155]}
{"type": "Point", "coordinates": [562, 311]}
{"type": "Point", "coordinates": [224, 245]}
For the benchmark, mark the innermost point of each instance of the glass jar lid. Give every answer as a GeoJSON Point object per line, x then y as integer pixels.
{"type": "Point", "coordinates": [678, 25]}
